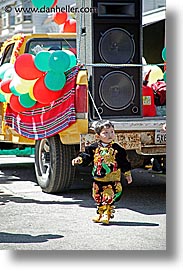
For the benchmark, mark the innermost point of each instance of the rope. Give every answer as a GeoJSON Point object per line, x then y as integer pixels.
{"type": "Point", "coordinates": [121, 65]}
{"type": "Point", "coordinates": [94, 105]}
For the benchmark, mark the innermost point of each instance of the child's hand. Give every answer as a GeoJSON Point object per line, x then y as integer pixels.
{"type": "Point", "coordinates": [129, 179]}
{"type": "Point", "coordinates": [128, 176]}
{"type": "Point", "coordinates": [76, 161]}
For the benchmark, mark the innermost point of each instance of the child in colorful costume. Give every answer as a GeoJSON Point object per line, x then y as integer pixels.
{"type": "Point", "coordinates": [109, 160]}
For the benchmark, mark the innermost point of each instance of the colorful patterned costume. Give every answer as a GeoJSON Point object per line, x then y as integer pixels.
{"type": "Point", "coordinates": [109, 161]}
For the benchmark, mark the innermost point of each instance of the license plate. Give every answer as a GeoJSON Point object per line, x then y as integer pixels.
{"type": "Point", "coordinates": [160, 137]}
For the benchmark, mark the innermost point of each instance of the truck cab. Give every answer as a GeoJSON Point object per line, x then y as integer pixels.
{"type": "Point", "coordinates": [142, 137]}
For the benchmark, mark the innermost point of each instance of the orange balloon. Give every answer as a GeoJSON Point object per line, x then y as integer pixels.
{"type": "Point", "coordinates": [70, 26]}
{"type": "Point", "coordinates": [60, 17]}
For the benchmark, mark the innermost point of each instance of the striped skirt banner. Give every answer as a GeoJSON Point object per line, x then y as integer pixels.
{"type": "Point", "coordinates": [46, 121]}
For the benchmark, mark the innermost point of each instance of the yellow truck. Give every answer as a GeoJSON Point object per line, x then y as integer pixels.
{"type": "Point", "coordinates": [52, 155]}
{"type": "Point", "coordinates": [142, 137]}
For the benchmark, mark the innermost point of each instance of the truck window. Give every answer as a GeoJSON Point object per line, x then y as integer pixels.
{"type": "Point", "coordinates": [6, 56]}
{"type": "Point", "coordinates": [35, 45]}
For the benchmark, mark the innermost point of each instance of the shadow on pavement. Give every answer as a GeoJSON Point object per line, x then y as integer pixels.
{"type": "Point", "coordinates": [17, 173]}
{"type": "Point", "coordinates": [4, 198]}
{"type": "Point", "coordinates": [26, 238]}
{"type": "Point", "coordinates": [132, 223]}
{"type": "Point", "coordinates": [148, 200]}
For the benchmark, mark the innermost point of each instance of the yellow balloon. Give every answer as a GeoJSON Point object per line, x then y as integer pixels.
{"type": "Point", "coordinates": [155, 74]}
{"type": "Point", "coordinates": [31, 93]}
{"type": "Point", "coordinates": [7, 97]}
{"type": "Point", "coordinates": [28, 82]}
{"type": "Point", "coordinates": [21, 85]}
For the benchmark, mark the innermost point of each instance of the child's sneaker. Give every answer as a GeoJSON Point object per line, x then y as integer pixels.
{"type": "Point", "coordinates": [108, 214]}
{"type": "Point", "coordinates": [97, 218]}
{"type": "Point", "coordinates": [100, 211]}
{"type": "Point", "coordinates": [105, 219]}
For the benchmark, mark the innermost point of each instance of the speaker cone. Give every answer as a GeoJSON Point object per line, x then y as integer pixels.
{"type": "Point", "coordinates": [116, 46]}
{"type": "Point", "coordinates": [117, 90]}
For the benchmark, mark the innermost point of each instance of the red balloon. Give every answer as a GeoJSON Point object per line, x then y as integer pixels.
{"type": "Point", "coordinates": [15, 104]}
{"type": "Point", "coordinates": [17, 107]}
{"type": "Point", "coordinates": [73, 50]}
{"type": "Point", "coordinates": [42, 94]}
{"type": "Point", "coordinates": [45, 96]}
{"type": "Point", "coordinates": [70, 26]}
{"type": "Point", "coordinates": [25, 68]}
{"type": "Point", "coordinates": [54, 4]}
{"type": "Point", "coordinates": [60, 17]}
{"type": "Point", "coordinates": [4, 86]}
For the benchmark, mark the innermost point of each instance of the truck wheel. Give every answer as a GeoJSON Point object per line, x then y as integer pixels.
{"type": "Point", "coordinates": [135, 159]}
{"type": "Point", "coordinates": [53, 167]}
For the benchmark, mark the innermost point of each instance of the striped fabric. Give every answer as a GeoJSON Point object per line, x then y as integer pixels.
{"type": "Point", "coordinates": [46, 121]}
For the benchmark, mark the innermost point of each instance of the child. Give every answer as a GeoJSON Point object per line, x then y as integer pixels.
{"type": "Point", "coordinates": [109, 160]}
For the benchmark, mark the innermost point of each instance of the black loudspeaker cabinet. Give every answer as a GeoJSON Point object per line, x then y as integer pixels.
{"type": "Point", "coordinates": [117, 39]}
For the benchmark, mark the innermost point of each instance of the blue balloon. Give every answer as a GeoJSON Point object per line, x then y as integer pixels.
{"type": "Point", "coordinates": [43, 3]}
{"type": "Point", "coordinates": [164, 76]}
{"type": "Point", "coordinates": [41, 61]}
{"type": "Point", "coordinates": [54, 81]}
{"type": "Point", "coordinates": [2, 98]}
{"type": "Point", "coordinates": [13, 90]}
{"type": "Point", "coordinates": [164, 54]}
{"type": "Point", "coordinates": [26, 101]}
{"type": "Point", "coordinates": [59, 61]}
{"type": "Point", "coordinates": [73, 60]}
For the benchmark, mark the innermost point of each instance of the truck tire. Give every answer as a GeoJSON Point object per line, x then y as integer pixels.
{"type": "Point", "coordinates": [135, 159]}
{"type": "Point", "coordinates": [53, 167]}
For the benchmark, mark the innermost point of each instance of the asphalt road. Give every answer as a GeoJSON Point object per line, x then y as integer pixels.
{"type": "Point", "coordinates": [33, 220]}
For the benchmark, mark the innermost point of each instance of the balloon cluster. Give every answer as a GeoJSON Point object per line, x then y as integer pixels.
{"type": "Point", "coordinates": [61, 18]}
{"type": "Point", "coordinates": [164, 59]}
{"type": "Point", "coordinates": [35, 79]}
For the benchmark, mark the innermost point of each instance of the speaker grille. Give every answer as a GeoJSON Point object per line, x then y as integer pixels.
{"type": "Point", "coordinates": [117, 90]}
{"type": "Point", "coordinates": [116, 46]}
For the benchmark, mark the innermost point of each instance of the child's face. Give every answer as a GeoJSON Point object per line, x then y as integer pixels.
{"type": "Point", "coordinates": [107, 135]}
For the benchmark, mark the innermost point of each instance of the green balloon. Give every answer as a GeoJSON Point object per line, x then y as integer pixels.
{"type": "Point", "coordinates": [2, 98]}
{"type": "Point", "coordinates": [59, 61]}
{"type": "Point", "coordinates": [26, 101]}
{"type": "Point", "coordinates": [42, 3]}
{"type": "Point", "coordinates": [164, 76]}
{"type": "Point", "coordinates": [73, 60]}
{"type": "Point", "coordinates": [54, 81]}
{"type": "Point", "coordinates": [41, 61]}
{"type": "Point", "coordinates": [164, 54]}
{"type": "Point", "coordinates": [13, 90]}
